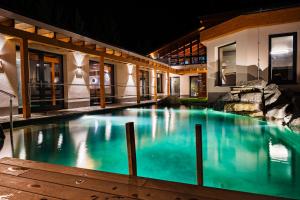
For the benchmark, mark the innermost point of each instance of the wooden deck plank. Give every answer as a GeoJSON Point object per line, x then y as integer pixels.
{"type": "Point", "coordinates": [13, 170]}
{"type": "Point", "coordinates": [121, 184]}
{"type": "Point", "coordinates": [120, 178]}
{"type": "Point", "coordinates": [215, 193]}
{"type": "Point", "coordinates": [13, 194]}
{"type": "Point", "coordinates": [51, 189]}
{"type": "Point", "coordinates": [106, 186]}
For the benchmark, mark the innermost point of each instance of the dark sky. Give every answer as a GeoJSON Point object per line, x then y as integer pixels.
{"type": "Point", "coordinates": [141, 26]}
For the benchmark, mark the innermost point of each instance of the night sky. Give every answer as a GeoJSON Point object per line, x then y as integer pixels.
{"type": "Point", "coordinates": [140, 26]}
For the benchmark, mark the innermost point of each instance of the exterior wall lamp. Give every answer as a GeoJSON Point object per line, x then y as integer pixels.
{"type": "Point", "coordinates": [79, 72]}
{"type": "Point", "coordinates": [130, 69]}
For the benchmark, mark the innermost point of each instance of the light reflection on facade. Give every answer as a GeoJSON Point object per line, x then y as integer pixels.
{"type": "Point", "coordinates": [40, 138]}
{"type": "Point", "coordinates": [167, 120]}
{"type": "Point", "coordinates": [82, 158]}
{"type": "Point", "coordinates": [108, 126]}
{"type": "Point", "coordinates": [79, 136]}
{"type": "Point", "coordinates": [172, 119]}
{"type": "Point", "coordinates": [22, 154]}
{"type": "Point", "coordinates": [60, 141]}
{"type": "Point", "coordinates": [154, 123]}
{"type": "Point", "coordinates": [278, 152]}
{"type": "Point", "coordinates": [96, 126]}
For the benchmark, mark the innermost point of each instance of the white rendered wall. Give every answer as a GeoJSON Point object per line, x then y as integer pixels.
{"type": "Point", "coordinates": [249, 43]}
{"type": "Point", "coordinates": [184, 84]}
{"type": "Point", "coordinates": [165, 84]}
{"type": "Point", "coordinates": [125, 80]}
{"type": "Point", "coordinates": [72, 91]}
{"type": "Point", "coordinates": [8, 79]}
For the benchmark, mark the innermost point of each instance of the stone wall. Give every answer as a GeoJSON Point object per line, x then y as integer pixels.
{"type": "Point", "coordinates": [257, 99]}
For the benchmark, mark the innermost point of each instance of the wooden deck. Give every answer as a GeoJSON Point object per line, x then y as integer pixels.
{"type": "Point", "coordinates": [23, 179]}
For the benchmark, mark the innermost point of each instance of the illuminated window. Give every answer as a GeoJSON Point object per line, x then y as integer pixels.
{"type": "Point", "coordinates": [227, 63]}
{"type": "Point", "coordinates": [194, 86]}
{"type": "Point", "coordinates": [282, 58]}
{"type": "Point", "coordinates": [175, 86]}
{"type": "Point", "coordinates": [159, 83]}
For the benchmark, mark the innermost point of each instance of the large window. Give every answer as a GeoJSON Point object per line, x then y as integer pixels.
{"type": "Point", "coordinates": [198, 85]}
{"type": "Point", "coordinates": [144, 85]}
{"type": "Point", "coordinates": [194, 86]}
{"type": "Point", "coordinates": [175, 86]}
{"type": "Point", "coordinates": [95, 83]}
{"type": "Point", "coordinates": [45, 80]}
{"type": "Point", "coordinates": [227, 63]}
{"type": "Point", "coordinates": [159, 83]}
{"type": "Point", "coordinates": [282, 58]}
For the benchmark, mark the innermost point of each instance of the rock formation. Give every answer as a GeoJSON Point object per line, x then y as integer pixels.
{"type": "Point", "coordinates": [257, 99]}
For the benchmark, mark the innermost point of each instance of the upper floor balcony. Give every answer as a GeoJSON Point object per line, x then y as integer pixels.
{"type": "Point", "coordinates": [184, 51]}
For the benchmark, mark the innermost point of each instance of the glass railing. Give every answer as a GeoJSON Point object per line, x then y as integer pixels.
{"type": "Point", "coordinates": [187, 60]}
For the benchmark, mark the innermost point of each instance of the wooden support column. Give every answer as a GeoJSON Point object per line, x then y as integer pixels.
{"type": "Point", "coordinates": [138, 87]}
{"type": "Point", "coordinates": [168, 83]}
{"type": "Point", "coordinates": [25, 78]}
{"type": "Point", "coordinates": [131, 152]}
{"type": "Point", "coordinates": [53, 89]}
{"type": "Point", "coordinates": [155, 83]}
{"type": "Point", "coordinates": [102, 87]}
{"type": "Point", "coordinates": [191, 52]}
{"type": "Point", "coordinates": [199, 159]}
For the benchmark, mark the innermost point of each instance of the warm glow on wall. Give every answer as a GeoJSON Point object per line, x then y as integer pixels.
{"type": "Point", "coordinates": [153, 55]}
{"type": "Point", "coordinates": [130, 68]}
{"type": "Point", "coordinates": [79, 72]}
{"type": "Point", "coordinates": [79, 62]}
{"type": "Point", "coordinates": [79, 57]}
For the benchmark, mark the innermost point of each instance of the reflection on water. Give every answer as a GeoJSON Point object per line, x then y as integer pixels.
{"type": "Point", "coordinates": [239, 153]}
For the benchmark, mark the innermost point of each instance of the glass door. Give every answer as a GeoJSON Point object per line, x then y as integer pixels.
{"type": "Point", "coordinates": [95, 83]}
{"type": "Point", "coordinates": [46, 81]}
{"type": "Point", "coordinates": [144, 83]}
{"type": "Point", "coordinates": [198, 85]}
{"type": "Point", "coordinates": [175, 86]}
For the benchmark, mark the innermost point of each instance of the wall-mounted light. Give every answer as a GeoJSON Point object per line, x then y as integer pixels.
{"type": "Point", "coordinates": [130, 69]}
{"type": "Point", "coordinates": [79, 72]}
{"type": "Point", "coordinates": [1, 65]}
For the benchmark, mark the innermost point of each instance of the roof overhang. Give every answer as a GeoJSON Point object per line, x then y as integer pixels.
{"type": "Point", "coordinates": [242, 22]}
{"type": "Point", "coordinates": [19, 26]}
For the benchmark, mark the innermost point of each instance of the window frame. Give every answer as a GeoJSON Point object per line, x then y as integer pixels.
{"type": "Point", "coordinates": [174, 77]}
{"type": "Point", "coordinates": [191, 77]}
{"type": "Point", "coordinates": [161, 83]}
{"type": "Point", "coordinates": [295, 50]}
{"type": "Point", "coordinates": [219, 83]}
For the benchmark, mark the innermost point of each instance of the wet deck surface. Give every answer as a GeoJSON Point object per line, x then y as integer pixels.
{"type": "Point", "coordinates": [24, 179]}
{"type": "Point", "coordinates": [55, 114]}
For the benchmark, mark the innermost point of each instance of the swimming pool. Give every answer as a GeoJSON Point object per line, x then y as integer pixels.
{"type": "Point", "coordinates": [239, 152]}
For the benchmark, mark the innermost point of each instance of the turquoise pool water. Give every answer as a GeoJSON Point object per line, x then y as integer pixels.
{"type": "Point", "coordinates": [239, 153]}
